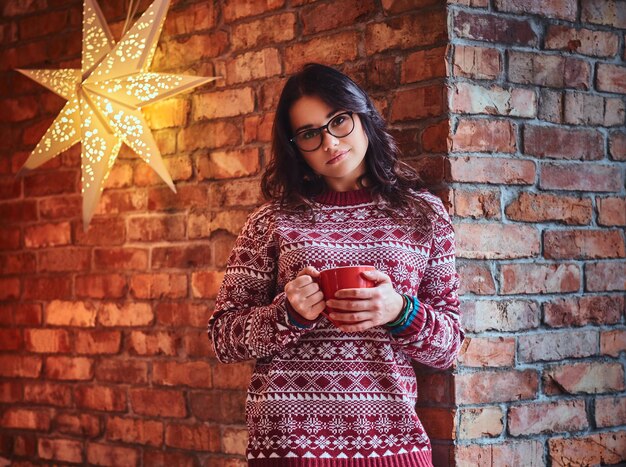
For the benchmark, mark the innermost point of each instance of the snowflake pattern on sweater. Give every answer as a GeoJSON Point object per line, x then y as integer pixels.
{"type": "Point", "coordinates": [317, 393]}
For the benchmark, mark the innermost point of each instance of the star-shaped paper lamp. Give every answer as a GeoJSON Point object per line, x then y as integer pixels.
{"type": "Point", "coordinates": [104, 100]}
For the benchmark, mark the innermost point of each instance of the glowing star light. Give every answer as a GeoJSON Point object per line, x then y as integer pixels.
{"type": "Point", "coordinates": [104, 100]}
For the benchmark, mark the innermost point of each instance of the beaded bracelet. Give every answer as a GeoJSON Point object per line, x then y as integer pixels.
{"type": "Point", "coordinates": [414, 310]}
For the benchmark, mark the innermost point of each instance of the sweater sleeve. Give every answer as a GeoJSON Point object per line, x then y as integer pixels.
{"type": "Point", "coordinates": [434, 336]}
{"type": "Point", "coordinates": [251, 320]}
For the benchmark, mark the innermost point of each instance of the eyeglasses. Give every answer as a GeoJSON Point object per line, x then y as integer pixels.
{"type": "Point", "coordinates": [310, 139]}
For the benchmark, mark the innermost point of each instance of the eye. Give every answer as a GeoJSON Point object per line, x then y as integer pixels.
{"type": "Point", "coordinates": [309, 134]}
{"type": "Point", "coordinates": [338, 120]}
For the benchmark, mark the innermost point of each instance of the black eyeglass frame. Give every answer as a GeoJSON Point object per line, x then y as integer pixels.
{"type": "Point", "coordinates": [321, 129]}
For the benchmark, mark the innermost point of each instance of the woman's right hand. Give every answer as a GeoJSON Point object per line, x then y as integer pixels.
{"type": "Point", "coordinates": [304, 294]}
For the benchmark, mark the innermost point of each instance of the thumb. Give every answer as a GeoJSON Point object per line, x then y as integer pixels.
{"type": "Point", "coordinates": [376, 276]}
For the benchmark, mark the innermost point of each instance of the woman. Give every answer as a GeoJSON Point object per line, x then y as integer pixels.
{"type": "Point", "coordinates": [324, 394]}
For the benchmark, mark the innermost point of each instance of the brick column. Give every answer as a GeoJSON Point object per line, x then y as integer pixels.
{"type": "Point", "coordinates": [537, 164]}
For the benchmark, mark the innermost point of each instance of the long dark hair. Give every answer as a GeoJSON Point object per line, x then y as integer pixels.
{"type": "Point", "coordinates": [290, 181]}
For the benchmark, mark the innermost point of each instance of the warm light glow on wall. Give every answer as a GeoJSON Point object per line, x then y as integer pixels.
{"type": "Point", "coordinates": [104, 100]}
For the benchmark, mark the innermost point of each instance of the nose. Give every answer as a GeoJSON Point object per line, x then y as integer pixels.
{"type": "Point", "coordinates": [328, 140]}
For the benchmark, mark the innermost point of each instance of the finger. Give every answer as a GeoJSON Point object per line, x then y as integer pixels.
{"type": "Point", "coordinates": [312, 294]}
{"type": "Point", "coordinates": [360, 294]}
{"type": "Point", "coordinates": [302, 281]}
{"type": "Point", "coordinates": [309, 271]}
{"type": "Point", "coordinates": [350, 305]}
{"type": "Point", "coordinates": [376, 276]}
{"type": "Point", "coordinates": [351, 317]}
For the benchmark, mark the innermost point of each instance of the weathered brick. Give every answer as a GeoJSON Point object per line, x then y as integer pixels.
{"type": "Point", "coordinates": [16, 366]}
{"type": "Point", "coordinates": [108, 399]}
{"type": "Point", "coordinates": [26, 419]}
{"type": "Point", "coordinates": [177, 314]}
{"type": "Point", "coordinates": [488, 352]}
{"type": "Point", "coordinates": [481, 422]}
{"type": "Point", "coordinates": [613, 342]}
{"type": "Point", "coordinates": [158, 286]}
{"type": "Point", "coordinates": [64, 260]}
{"type": "Point", "coordinates": [551, 417]}
{"type": "Point", "coordinates": [11, 339]}
{"type": "Point", "coordinates": [229, 410]}
{"type": "Point", "coordinates": [154, 343]}
{"type": "Point", "coordinates": [611, 211]}
{"type": "Point", "coordinates": [484, 135]}
{"type": "Point", "coordinates": [125, 314]}
{"type": "Point", "coordinates": [158, 402]}
{"type": "Point", "coordinates": [423, 65]}
{"type": "Point", "coordinates": [47, 340]}
{"type": "Point", "coordinates": [423, 29]}
{"type": "Point", "coordinates": [581, 40]}
{"type": "Point", "coordinates": [167, 113]}
{"type": "Point", "coordinates": [19, 211]}
{"type": "Point", "coordinates": [617, 146]}
{"type": "Point", "coordinates": [330, 16]}
{"type": "Point", "coordinates": [165, 459]}
{"type": "Point", "coordinates": [550, 105]}
{"type": "Point", "coordinates": [331, 50]}
{"type": "Point", "coordinates": [494, 100]}
{"type": "Point", "coordinates": [60, 207]}
{"type": "Point", "coordinates": [186, 51]}
{"type": "Point", "coordinates": [258, 128]}
{"type": "Point", "coordinates": [559, 143]}
{"type": "Point", "coordinates": [163, 199]}
{"type": "Point", "coordinates": [190, 19]}
{"type": "Point", "coordinates": [540, 207]}
{"type": "Point", "coordinates": [19, 109]}
{"type": "Point", "coordinates": [267, 30]}
{"type": "Point", "coordinates": [228, 164]}
{"type": "Point", "coordinates": [611, 78]}
{"type": "Point", "coordinates": [156, 227]}
{"type": "Point", "coordinates": [111, 455]}
{"type": "Point", "coordinates": [610, 411]}
{"type": "Point", "coordinates": [218, 104]}
{"type": "Point", "coordinates": [63, 450]}
{"type": "Point", "coordinates": [193, 374]}
{"type": "Point", "coordinates": [209, 135]}
{"type": "Point", "coordinates": [47, 235]}
{"type": "Point", "coordinates": [477, 204]}
{"type": "Point", "coordinates": [609, 12]}
{"type": "Point", "coordinates": [122, 370]}
{"type": "Point", "coordinates": [435, 137]}
{"type": "Point", "coordinates": [583, 378]}
{"type": "Point", "coordinates": [528, 453]}
{"type": "Point", "coordinates": [235, 193]}
{"type": "Point", "coordinates": [581, 311]}
{"type": "Point", "coordinates": [205, 284]}
{"type": "Point", "coordinates": [558, 345]}
{"type": "Point", "coordinates": [97, 342]}
{"type": "Point", "coordinates": [560, 9]}
{"type": "Point", "coordinates": [74, 313]}
{"type": "Point", "coordinates": [496, 241]}
{"type": "Point", "coordinates": [251, 66]}
{"type": "Point", "coordinates": [606, 276]}
{"type": "Point", "coordinates": [132, 430]}
{"type": "Point", "coordinates": [233, 9]}
{"type": "Point", "coordinates": [496, 386]}
{"type": "Point", "coordinates": [181, 257]}
{"type": "Point", "coordinates": [233, 376]}
{"type": "Point", "coordinates": [548, 70]}
{"type": "Point", "coordinates": [412, 104]}
{"type": "Point", "coordinates": [493, 28]}
{"type": "Point", "coordinates": [115, 259]}
{"type": "Point", "coordinates": [42, 184]}
{"type": "Point", "coordinates": [100, 286]}
{"type": "Point", "coordinates": [583, 244]}
{"type": "Point", "coordinates": [196, 345]}
{"type": "Point", "coordinates": [59, 395]}
{"type": "Point", "coordinates": [193, 437]}
{"type": "Point", "coordinates": [580, 176]}
{"type": "Point", "coordinates": [69, 368]}
{"type": "Point", "coordinates": [527, 278]}
{"type": "Point", "coordinates": [594, 449]}
{"type": "Point", "coordinates": [502, 315]}
{"type": "Point", "coordinates": [82, 424]}
{"type": "Point", "coordinates": [491, 169]}
{"type": "Point", "coordinates": [477, 62]}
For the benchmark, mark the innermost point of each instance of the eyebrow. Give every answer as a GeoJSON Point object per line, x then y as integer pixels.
{"type": "Point", "coordinates": [304, 127]}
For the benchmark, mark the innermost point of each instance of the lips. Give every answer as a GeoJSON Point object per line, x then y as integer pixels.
{"type": "Point", "coordinates": [337, 157]}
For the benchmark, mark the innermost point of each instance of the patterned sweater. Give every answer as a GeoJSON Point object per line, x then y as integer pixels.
{"type": "Point", "coordinates": [318, 396]}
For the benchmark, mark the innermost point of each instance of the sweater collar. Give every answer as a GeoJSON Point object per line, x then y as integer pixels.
{"type": "Point", "coordinates": [344, 198]}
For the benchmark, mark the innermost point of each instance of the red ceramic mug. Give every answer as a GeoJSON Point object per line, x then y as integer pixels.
{"type": "Point", "coordinates": [347, 277]}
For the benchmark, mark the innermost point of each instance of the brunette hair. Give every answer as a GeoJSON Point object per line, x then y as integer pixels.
{"type": "Point", "coordinates": [289, 180]}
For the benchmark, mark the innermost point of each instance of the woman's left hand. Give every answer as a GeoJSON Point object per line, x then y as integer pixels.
{"type": "Point", "coordinates": [365, 308]}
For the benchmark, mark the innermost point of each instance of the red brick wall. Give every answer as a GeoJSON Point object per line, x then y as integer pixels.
{"type": "Point", "coordinates": [103, 353]}
{"type": "Point", "coordinates": [537, 157]}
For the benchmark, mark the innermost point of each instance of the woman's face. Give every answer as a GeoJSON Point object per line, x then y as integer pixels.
{"type": "Point", "coordinates": [339, 161]}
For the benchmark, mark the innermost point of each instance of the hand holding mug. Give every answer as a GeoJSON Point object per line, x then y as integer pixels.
{"type": "Point", "coordinates": [304, 294]}
{"type": "Point", "coordinates": [358, 309]}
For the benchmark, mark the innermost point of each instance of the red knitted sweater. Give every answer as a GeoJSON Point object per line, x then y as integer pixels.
{"type": "Point", "coordinates": [320, 397]}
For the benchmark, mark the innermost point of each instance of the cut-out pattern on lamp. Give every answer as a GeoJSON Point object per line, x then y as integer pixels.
{"type": "Point", "coordinates": [104, 100]}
